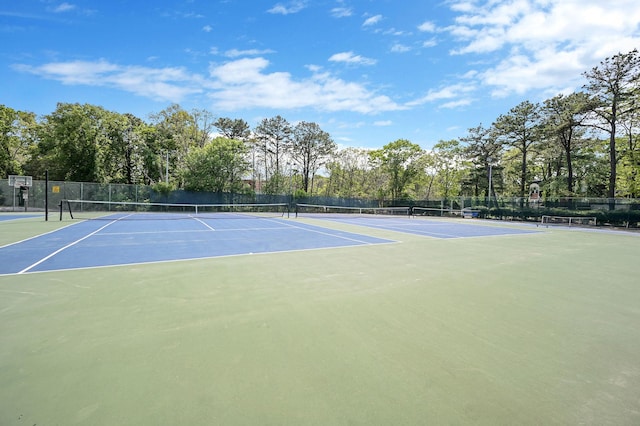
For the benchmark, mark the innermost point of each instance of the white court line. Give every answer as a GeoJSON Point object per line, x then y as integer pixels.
{"type": "Point", "coordinates": [192, 231]}
{"type": "Point", "coordinates": [202, 222]}
{"type": "Point", "coordinates": [64, 248]}
{"type": "Point", "coordinates": [191, 259]}
{"type": "Point", "coordinates": [37, 236]}
{"type": "Point", "coordinates": [286, 226]}
{"type": "Point", "coordinates": [337, 236]}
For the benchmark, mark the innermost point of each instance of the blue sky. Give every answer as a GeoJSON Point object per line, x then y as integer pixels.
{"type": "Point", "coordinates": [367, 71]}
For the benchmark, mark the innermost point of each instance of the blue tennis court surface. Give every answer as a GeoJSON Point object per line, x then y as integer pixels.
{"type": "Point", "coordinates": [435, 228]}
{"type": "Point", "coordinates": [96, 243]}
{"type": "Point", "coordinates": [9, 216]}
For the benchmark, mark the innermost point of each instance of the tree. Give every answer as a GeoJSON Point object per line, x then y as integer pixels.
{"type": "Point", "coordinates": [615, 86]}
{"type": "Point", "coordinates": [629, 173]}
{"type": "Point", "coordinates": [124, 162]}
{"type": "Point", "coordinates": [237, 129]}
{"type": "Point", "coordinates": [216, 167]}
{"type": "Point", "coordinates": [400, 161]}
{"type": "Point", "coordinates": [202, 126]}
{"type": "Point", "coordinates": [448, 168]}
{"type": "Point", "coordinates": [310, 147]}
{"type": "Point", "coordinates": [349, 173]}
{"type": "Point", "coordinates": [520, 129]}
{"type": "Point", "coordinates": [74, 142]}
{"type": "Point", "coordinates": [484, 151]}
{"type": "Point", "coordinates": [564, 118]}
{"type": "Point", "coordinates": [17, 135]}
{"type": "Point", "coordinates": [176, 133]}
{"type": "Point", "coordinates": [273, 136]}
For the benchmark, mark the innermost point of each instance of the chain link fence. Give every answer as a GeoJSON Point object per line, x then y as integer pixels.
{"type": "Point", "coordinates": [13, 199]}
{"type": "Point", "coordinates": [616, 212]}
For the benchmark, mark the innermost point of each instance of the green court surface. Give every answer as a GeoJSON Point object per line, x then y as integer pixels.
{"type": "Point", "coordinates": [530, 329]}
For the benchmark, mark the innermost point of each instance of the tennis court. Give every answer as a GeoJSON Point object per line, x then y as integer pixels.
{"type": "Point", "coordinates": [357, 320]}
{"type": "Point", "coordinates": [120, 238]}
{"type": "Point", "coordinates": [118, 241]}
{"type": "Point", "coordinates": [429, 227]}
{"type": "Point", "coordinates": [9, 216]}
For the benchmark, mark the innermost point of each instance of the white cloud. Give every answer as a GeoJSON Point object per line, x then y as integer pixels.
{"type": "Point", "coordinates": [383, 123]}
{"type": "Point", "coordinates": [244, 84]}
{"type": "Point", "coordinates": [546, 70]}
{"type": "Point", "coordinates": [547, 45]}
{"type": "Point", "coordinates": [456, 104]}
{"type": "Point", "coordinates": [234, 53]}
{"type": "Point", "coordinates": [395, 32]}
{"type": "Point", "coordinates": [166, 84]}
{"type": "Point", "coordinates": [351, 58]}
{"type": "Point", "coordinates": [238, 84]}
{"type": "Point", "coordinates": [430, 43]}
{"type": "Point", "coordinates": [400, 48]}
{"type": "Point", "coordinates": [372, 20]}
{"type": "Point", "coordinates": [449, 92]}
{"type": "Point", "coordinates": [64, 7]}
{"type": "Point", "coordinates": [292, 7]}
{"type": "Point", "coordinates": [207, 28]}
{"type": "Point", "coordinates": [428, 27]}
{"type": "Point", "coordinates": [341, 12]}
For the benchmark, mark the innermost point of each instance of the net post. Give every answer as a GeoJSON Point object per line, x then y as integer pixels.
{"type": "Point", "coordinates": [46, 195]}
{"type": "Point", "coordinates": [61, 205]}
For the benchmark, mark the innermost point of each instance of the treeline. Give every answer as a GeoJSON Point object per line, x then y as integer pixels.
{"type": "Point", "coordinates": [578, 144]}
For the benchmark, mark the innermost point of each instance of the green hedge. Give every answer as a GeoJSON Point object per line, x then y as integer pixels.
{"type": "Point", "coordinates": [625, 218]}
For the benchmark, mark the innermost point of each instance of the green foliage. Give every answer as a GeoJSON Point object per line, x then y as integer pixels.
{"type": "Point", "coordinates": [273, 141]}
{"type": "Point", "coordinates": [300, 193]}
{"type": "Point", "coordinates": [310, 148]}
{"type": "Point", "coordinates": [629, 176]}
{"type": "Point", "coordinates": [563, 126]}
{"type": "Point", "coordinates": [620, 218]}
{"type": "Point", "coordinates": [483, 151]}
{"type": "Point", "coordinates": [400, 161]}
{"type": "Point", "coordinates": [217, 167]}
{"type": "Point", "coordinates": [449, 168]}
{"type": "Point", "coordinates": [17, 135]}
{"type": "Point", "coordinates": [164, 188]}
{"type": "Point", "coordinates": [71, 141]}
{"type": "Point", "coordinates": [352, 175]}
{"type": "Point", "coordinates": [233, 128]}
{"type": "Point", "coordinates": [520, 129]}
{"type": "Point", "coordinates": [615, 85]}
{"type": "Point", "coordinates": [276, 184]}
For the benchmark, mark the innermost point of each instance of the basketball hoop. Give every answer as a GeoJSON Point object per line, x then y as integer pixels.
{"type": "Point", "coordinates": [20, 181]}
{"type": "Point", "coordinates": [21, 184]}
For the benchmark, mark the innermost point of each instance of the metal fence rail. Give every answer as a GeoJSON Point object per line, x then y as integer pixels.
{"type": "Point", "coordinates": [511, 207]}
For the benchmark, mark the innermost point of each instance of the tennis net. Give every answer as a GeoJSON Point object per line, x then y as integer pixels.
{"type": "Point", "coordinates": [322, 210]}
{"type": "Point", "coordinates": [436, 211]}
{"type": "Point", "coordinates": [568, 220]}
{"type": "Point", "coordinates": [114, 210]}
